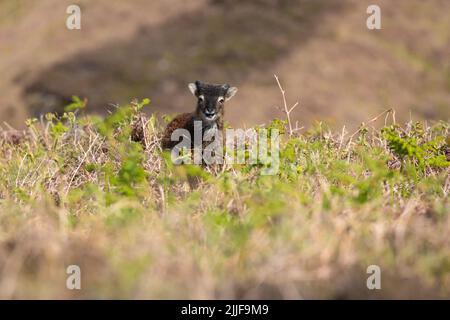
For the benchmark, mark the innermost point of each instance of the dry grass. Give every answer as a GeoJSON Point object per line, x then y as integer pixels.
{"type": "Point", "coordinates": [81, 191]}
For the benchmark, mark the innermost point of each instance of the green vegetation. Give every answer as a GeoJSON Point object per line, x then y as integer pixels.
{"type": "Point", "coordinates": [99, 193]}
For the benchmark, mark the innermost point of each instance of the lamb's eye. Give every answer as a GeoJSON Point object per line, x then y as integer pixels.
{"type": "Point", "coordinates": [221, 100]}
{"type": "Point", "coordinates": [201, 98]}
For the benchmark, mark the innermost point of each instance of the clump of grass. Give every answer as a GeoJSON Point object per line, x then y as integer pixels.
{"type": "Point", "coordinates": [101, 194]}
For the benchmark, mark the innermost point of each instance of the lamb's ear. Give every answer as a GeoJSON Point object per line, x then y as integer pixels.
{"type": "Point", "coordinates": [230, 93]}
{"type": "Point", "coordinates": [193, 88]}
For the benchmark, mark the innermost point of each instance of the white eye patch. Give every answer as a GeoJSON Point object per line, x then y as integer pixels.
{"type": "Point", "coordinates": [221, 99]}
{"type": "Point", "coordinates": [201, 97]}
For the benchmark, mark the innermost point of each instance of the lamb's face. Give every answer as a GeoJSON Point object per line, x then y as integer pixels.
{"type": "Point", "coordinates": [211, 99]}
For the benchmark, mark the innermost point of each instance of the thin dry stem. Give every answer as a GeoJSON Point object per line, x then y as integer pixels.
{"type": "Point", "coordinates": [287, 110]}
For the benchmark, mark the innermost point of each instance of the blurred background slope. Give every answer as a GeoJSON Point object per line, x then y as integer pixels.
{"type": "Point", "coordinates": [326, 58]}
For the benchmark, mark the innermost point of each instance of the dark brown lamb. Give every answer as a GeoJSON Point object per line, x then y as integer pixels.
{"type": "Point", "coordinates": [209, 111]}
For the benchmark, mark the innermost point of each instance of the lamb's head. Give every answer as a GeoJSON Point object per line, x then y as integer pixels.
{"type": "Point", "coordinates": [211, 99]}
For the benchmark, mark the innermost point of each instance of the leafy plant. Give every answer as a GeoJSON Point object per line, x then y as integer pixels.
{"type": "Point", "coordinates": [100, 191]}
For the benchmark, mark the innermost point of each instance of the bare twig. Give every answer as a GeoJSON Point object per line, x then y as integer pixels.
{"type": "Point", "coordinates": [364, 125]}
{"type": "Point", "coordinates": [287, 110]}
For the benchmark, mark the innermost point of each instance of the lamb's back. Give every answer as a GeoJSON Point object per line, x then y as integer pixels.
{"type": "Point", "coordinates": [182, 121]}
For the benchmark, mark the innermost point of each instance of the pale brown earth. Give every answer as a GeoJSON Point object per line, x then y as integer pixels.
{"type": "Point", "coordinates": [324, 55]}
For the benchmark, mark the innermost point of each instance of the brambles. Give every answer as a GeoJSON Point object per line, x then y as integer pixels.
{"type": "Point", "coordinates": [426, 149]}
{"type": "Point", "coordinates": [100, 193]}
